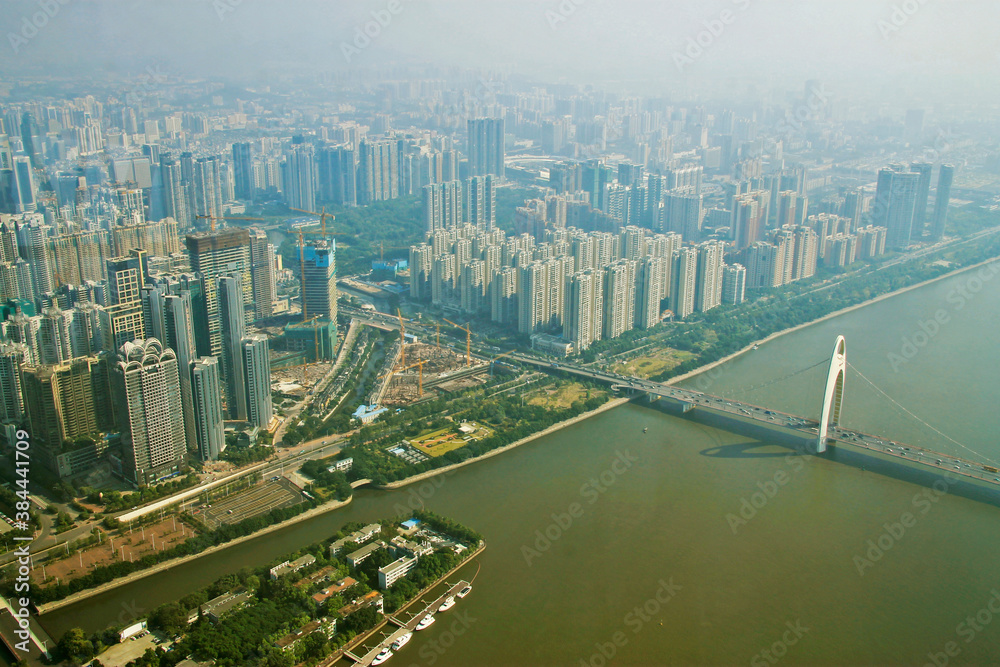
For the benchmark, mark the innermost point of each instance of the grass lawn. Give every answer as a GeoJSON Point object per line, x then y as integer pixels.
{"type": "Point", "coordinates": [652, 364]}
{"type": "Point", "coordinates": [562, 397]}
{"type": "Point", "coordinates": [445, 440]}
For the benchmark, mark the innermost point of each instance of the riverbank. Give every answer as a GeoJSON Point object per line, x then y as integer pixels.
{"type": "Point", "coordinates": [837, 313]}
{"type": "Point", "coordinates": [174, 562]}
{"type": "Point", "coordinates": [613, 403]}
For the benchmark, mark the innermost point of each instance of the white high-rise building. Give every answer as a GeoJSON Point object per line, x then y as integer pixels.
{"type": "Point", "coordinates": [708, 290]}
{"type": "Point", "coordinates": [146, 385]}
{"type": "Point", "coordinates": [684, 282]}
{"type": "Point", "coordinates": [257, 380]}
{"type": "Point", "coordinates": [619, 298]}
{"type": "Point", "coordinates": [584, 312]}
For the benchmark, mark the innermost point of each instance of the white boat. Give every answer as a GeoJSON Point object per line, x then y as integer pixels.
{"type": "Point", "coordinates": [401, 641]}
{"type": "Point", "coordinates": [425, 622]}
{"type": "Point", "coordinates": [447, 604]}
{"type": "Point", "coordinates": [382, 656]}
{"type": "Point", "coordinates": [465, 591]}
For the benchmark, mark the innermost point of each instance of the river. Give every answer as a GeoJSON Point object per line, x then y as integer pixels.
{"type": "Point", "coordinates": [603, 539]}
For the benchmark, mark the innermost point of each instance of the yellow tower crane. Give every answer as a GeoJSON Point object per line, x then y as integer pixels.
{"type": "Point", "coordinates": [468, 340]}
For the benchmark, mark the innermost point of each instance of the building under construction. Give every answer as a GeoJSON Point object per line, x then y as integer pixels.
{"type": "Point", "coordinates": [436, 369]}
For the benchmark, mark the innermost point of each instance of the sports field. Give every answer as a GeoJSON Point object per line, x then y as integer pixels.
{"type": "Point", "coordinates": [445, 440]}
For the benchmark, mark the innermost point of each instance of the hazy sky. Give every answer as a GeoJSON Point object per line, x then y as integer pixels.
{"type": "Point", "coordinates": [580, 41]}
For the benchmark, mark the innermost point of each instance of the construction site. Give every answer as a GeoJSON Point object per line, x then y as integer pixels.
{"type": "Point", "coordinates": [424, 370]}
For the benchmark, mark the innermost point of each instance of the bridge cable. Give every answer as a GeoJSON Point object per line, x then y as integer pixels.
{"type": "Point", "coordinates": [896, 403]}
{"type": "Point", "coordinates": [783, 378]}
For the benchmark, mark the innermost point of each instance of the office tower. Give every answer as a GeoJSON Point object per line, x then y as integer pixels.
{"type": "Point", "coordinates": [442, 206]}
{"type": "Point", "coordinates": [22, 186]}
{"type": "Point", "coordinates": [124, 319]}
{"type": "Point", "coordinates": [216, 254]}
{"type": "Point", "coordinates": [257, 380]}
{"type": "Point", "coordinates": [13, 357]}
{"type": "Point", "coordinates": [320, 281]}
{"type": "Point", "coordinates": [946, 176]}
{"type": "Point", "coordinates": [378, 171]}
{"type": "Point", "coordinates": [243, 171]}
{"type": "Point", "coordinates": [486, 147]}
{"type": "Point", "coordinates": [683, 282]}
{"type": "Point", "coordinates": [233, 332]}
{"type": "Point", "coordinates": [207, 182]}
{"type": "Point", "coordinates": [596, 177]}
{"type": "Point", "coordinates": [584, 311]}
{"type": "Point", "coordinates": [618, 298]}
{"type": "Point", "coordinates": [649, 291]}
{"type": "Point", "coordinates": [683, 214]}
{"type": "Point", "coordinates": [481, 202]}
{"type": "Point", "coordinates": [300, 177]}
{"type": "Point", "coordinates": [895, 202]}
{"type": "Point", "coordinates": [734, 280]}
{"type": "Point", "coordinates": [31, 139]}
{"type": "Point", "coordinates": [923, 194]}
{"type": "Point", "coordinates": [473, 287]}
{"type": "Point", "coordinates": [708, 285]}
{"type": "Point", "coordinates": [206, 389]}
{"type": "Point", "coordinates": [854, 207]}
{"type": "Point", "coordinates": [261, 273]}
{"type": "Point", "coordinates": [146, 387]}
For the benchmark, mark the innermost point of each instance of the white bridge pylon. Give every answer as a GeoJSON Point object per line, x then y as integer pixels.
{"type": "Point", "coordinates": [833, 395]}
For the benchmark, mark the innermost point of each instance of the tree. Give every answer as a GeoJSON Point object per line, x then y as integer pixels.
{"type": "Point", "coordinates": [74, 645]}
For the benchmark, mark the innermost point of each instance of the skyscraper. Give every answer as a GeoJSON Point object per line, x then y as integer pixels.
{"type": "Point", "coordinates": [895, 203]}
{"type": "Point", "coordinates": [257, 380]}
{"type": "Point", "coordinates": [233, 332]}
{"type": "Point", "coordinates": [261, 273]}
{"type": "Point", "coordinates": [442, 206]}
{"type": "Point", "coordinates": [618, 298]}
{"type": "Point", "coordinates": [172, 318]}
{"type": "Point", "coordinates": [945, 177]}
{"type": "Point", "coordinates": [734, 280]}
{"type": "Point", "coordinates": [206, 390]}
{"type": "Point", "coordinates": [684, 282]}
{"type": "Point", "coordinates": [300, 177]}
{"type": "Point", "coordinates": [319, 296]}
{"type": "Point", "coordinates": [215, 254]}
{"type": "Point", "coordinates": [480, 202]}
{"type": "Point", "coordinates": [146, 386]}
{"type": "Point", "coordinates": [584, 313]}
{"type": "Point", "coordinates": [378, 171]}
{"type": "Point", "coordinates": [243, 171]}
{"type": "Point", "coordinates": [13, 356]}
{"type": "Point", "coordinates": [649, 291]}
{"type": "Point", "coordinates": [486, 147]}
{"type": "Point", "coordinates": [923, 193]}
{"type": "Point", "coordinates": [708, 286]}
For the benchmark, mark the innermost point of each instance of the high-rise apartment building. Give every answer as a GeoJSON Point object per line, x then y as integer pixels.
{"type": "Point", "coordinates": [206, 388]}
{"type": "Point", "coordinates": [946, 176]}
{"type": "Point", "coordinates": [257, 380]}
{"type": "Point", "coordinates": [146, 387]}
{"type": "Point", "coordinates": [486, 147]}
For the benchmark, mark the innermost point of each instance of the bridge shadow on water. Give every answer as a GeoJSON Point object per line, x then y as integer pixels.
{"type": "Point", "coordinates": [765, 437]}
